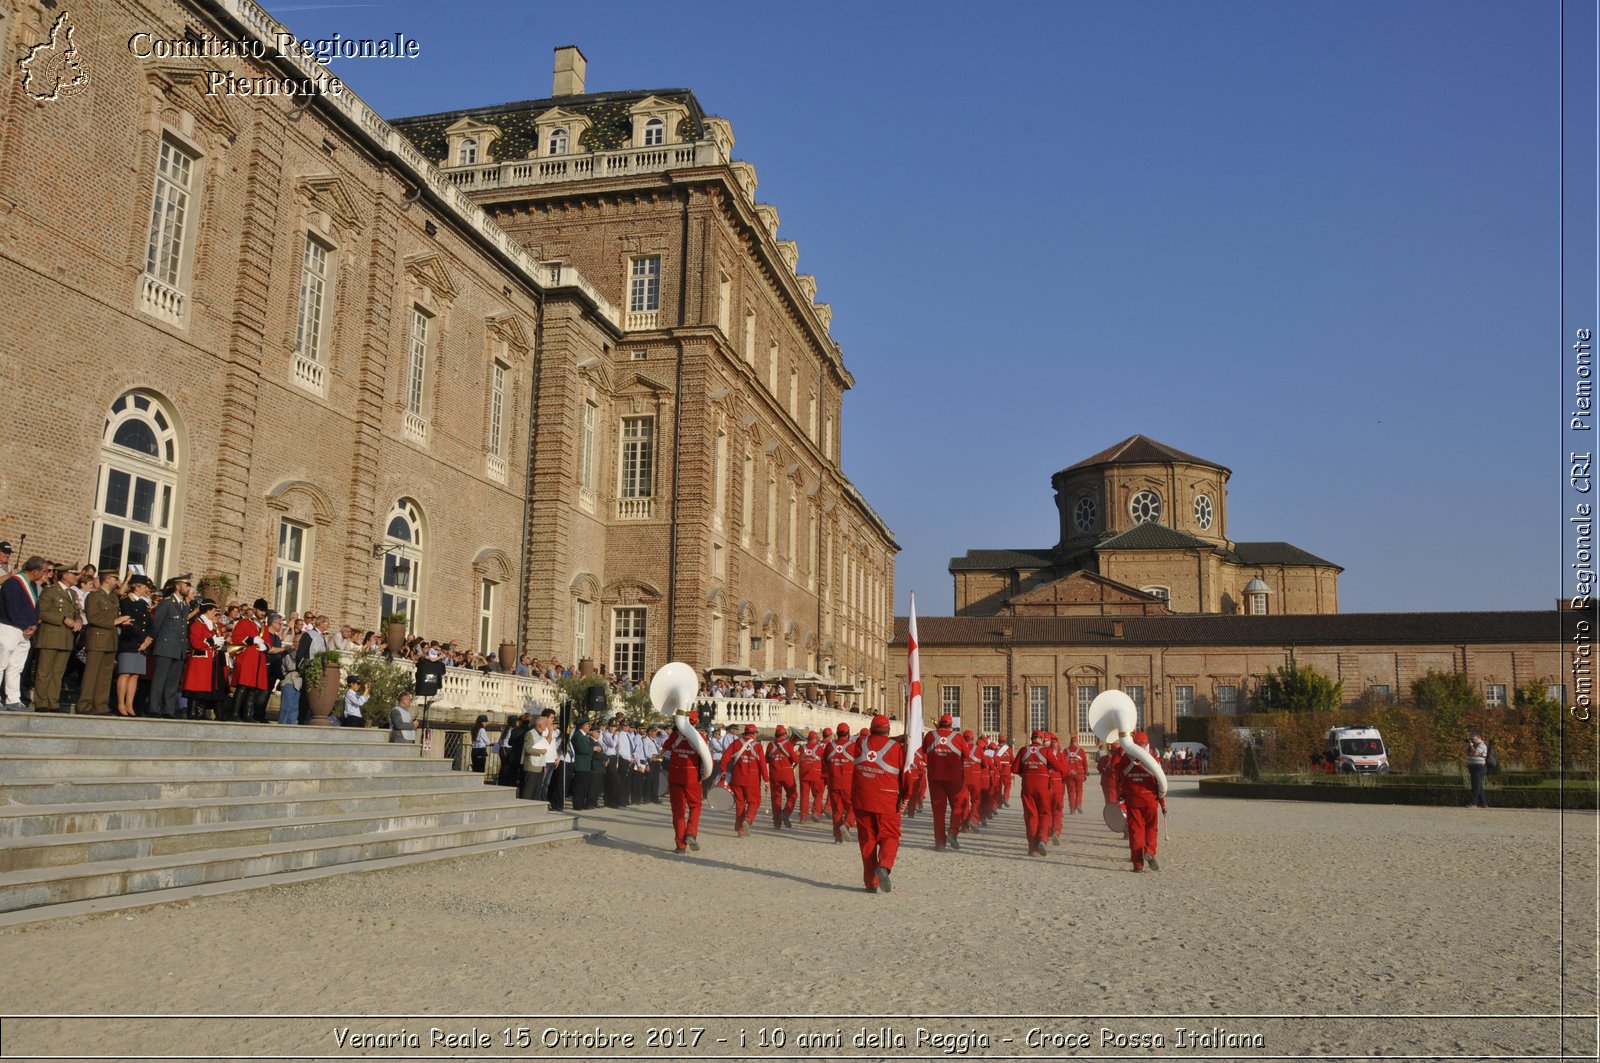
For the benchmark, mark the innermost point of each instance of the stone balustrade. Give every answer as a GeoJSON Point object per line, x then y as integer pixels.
{"type": "Point", "coordinates": [468, 692]}
{"type": "Point", "coordinates": [553, 169]}
{"type": "Point", "coordinates": [767, 713]}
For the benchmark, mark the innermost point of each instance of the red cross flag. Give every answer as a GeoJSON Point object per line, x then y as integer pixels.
{"type": "Point", "coordinates": [914, 684]}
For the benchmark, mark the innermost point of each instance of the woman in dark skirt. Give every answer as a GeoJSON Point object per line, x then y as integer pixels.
{"type": "Point", "coordinates": [133, 641]}
{"type": "Point", "coordinates": [203, 678]}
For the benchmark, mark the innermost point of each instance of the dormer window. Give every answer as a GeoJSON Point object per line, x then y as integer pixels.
{"type": "Point", "coordinates": [656, 121]}
{"type": "Point", "coordinates": [1255, 597]}
{"type": "Point", "coordinates": [469, 142]}
{"type": "Point", "coordinates": [558, 141]}
{"type": "Point", "coordinates": [655, 133]}
{"type": "Point", "coordinates": [467, 155]}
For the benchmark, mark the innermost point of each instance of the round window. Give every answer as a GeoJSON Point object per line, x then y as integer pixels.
{"type": "Point", "coordinates": [1083, 514]}
{"type": "Point", "coordinates": [1202, 512]}
{"type": "Point", "coordinates": [1145, 507]}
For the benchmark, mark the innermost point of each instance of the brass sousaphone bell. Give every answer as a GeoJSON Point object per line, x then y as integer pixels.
{"type": "Point", "coordinates": [1113, 717]}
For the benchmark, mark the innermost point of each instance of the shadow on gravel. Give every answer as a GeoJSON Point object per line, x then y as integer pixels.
{"type": "Point", "coordinates": [671, 857]}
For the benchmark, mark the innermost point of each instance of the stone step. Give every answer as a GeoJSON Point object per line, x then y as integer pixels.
{"type": "Point", "coordinates": [39, 820]}
{"type": "Point", "coordinates": [207, 744]}
{"type": "Point", "coordinates": [179, 894]}
{"type": "Point", "coordinates": [68, 766]}
{"type": "Point", "coordinates": [68, 724]}
{"type": "Point", "coordinates": [58, 852]}
{"type": "Point", "coordinates": [26, 793]}
{"type": "Point", "coordinates": [56, 885]}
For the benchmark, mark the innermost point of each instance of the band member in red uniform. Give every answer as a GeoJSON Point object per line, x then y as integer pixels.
{"type": "Point", "coordinates": [204, 678]}
{"type": "Point", "coordinates": [1141, 794]}
{"type": "Point", "coordinates": [916, 786]}
{"type": "Point", "coordinates": [838, 762]}
{"type": "Point", "coordinates": [945, 753]}
{"type": "Point", "coordinates": [1008, 764]}
{"type": "Point", "coordinates": [746, 765]}
{"type": "Point", "coordinates": [248, 641]}
{"type": "Point", "coordinates": [782, 758]}
{"type": "Point", "coordinates": [1106, 764]}
{"type": "Point", "coordinates": [812, 789]}
{"type": "Point", "coordinates": [1033, 764]}
{"type": "Point", "coordinates": [683, 788]}
{"type": "Point", "coordinates": [1058, 785]}
{"type": "Point", "coordinates": [972, 775]}
{"type": "Point", "coordinates": [876, 795]}
{"type": "Point", "coordinates": [1077, 770]}
{"type": "Point", "coordinates": [991, 780]}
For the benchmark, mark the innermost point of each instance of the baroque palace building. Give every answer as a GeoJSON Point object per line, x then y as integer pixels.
{"type": "Point", "coordinates": [540, 373]}
{"type": "Point", "coordinates": [1147, 593]}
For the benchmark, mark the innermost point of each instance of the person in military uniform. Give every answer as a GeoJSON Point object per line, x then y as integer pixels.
{"type": "Point", "coordinates": [169, 623]}
{"type": "Point", "coordinates": [58, 628]}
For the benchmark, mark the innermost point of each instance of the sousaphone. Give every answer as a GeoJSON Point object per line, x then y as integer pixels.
{"type": "Point", "coordinates": [1113, 717]}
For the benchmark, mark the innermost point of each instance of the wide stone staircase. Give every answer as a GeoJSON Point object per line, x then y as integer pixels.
{"type": "Point", "coordinates": [99, 813]}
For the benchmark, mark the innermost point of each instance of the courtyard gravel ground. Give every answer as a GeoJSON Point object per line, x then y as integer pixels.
{"type": "Point", "coordinates": [1302, 923]}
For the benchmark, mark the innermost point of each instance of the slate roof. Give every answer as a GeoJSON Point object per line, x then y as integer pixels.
{"type": "Point", "coordinates": [1343, 629]}
{"type": "Point", "coordinates": [611, 124]}
{"type": "Point", "coordinates": [1277, 554]}
{"type": "Point", "coordinates": [1140, 450]}
{"type": "Point", "coordinates": [1152, 536]}
{"type": "Point", "coordinates": [988, 560]}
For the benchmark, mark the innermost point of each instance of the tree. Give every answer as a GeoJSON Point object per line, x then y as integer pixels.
{"type": "Point", "coordinates": [1541, 717]}
{"type": "Point", "coordinates": [1301, 689]}
{"type": "Point", "coordinates": [1447, 697]}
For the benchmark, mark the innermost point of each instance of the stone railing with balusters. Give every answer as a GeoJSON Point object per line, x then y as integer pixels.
{"type": "Point", "coordinates": [468, 691]}
{"type": "Point", "coordinates": [162, 300]}
{"type": "Point", "coordinates": [767, 713]}
{"type": "Point", "coordinates": [554, 169]}
{"type": "Point", "coordinates": [269, 31]}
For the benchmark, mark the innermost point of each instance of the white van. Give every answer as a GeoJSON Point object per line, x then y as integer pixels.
{"type": "Point", "coordinates": [1355, 750]}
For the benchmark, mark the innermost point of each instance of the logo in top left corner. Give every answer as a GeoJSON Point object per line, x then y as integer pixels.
{"type": "Point", "coordinates": [53, 70]}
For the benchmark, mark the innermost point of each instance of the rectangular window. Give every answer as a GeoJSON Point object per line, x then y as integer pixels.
{"type": "Point", "coordinates": [1137, 694]}
{"type": "Point", "coordinates": [288, 576]}
{"type": "Point", "coordinates": [313, 293]}
{"type": "Point", "coordinates": [169, 218]}
{"type": "Point", "coordinates": [724, 303]}
{"type": "Point", "coordinates": [497, 409]}
{"type": "Point", "coordinates": [794, 394]}
{"type": "Point", "coordinates": [1086, 696]}
{"type": "Point", "coordinates": [989, 703]}
{"type": "Point", "coordinates": [827, 437]}
{"type": "Point", "coordinates": [1039, 708]}
{"type": "Point", "coordinates": [638, 435]}
{"type": "Point", "coordinates": [719, 501]}
{"type": "Point", "coordinates": [1495, 695]}
{"type": "Point", "coordinates": [746, 505]}
{"type": "Point", "coordinates": [486, 596]}
{"type": "Point", "coordinates": [1556, 692]}
{"type": "Point", "coordinates": [1227, 699]}
{"type": "Point", "coordinates": [950, 700]}
{"type": "Point", "coordinates": [750, 336]}
{"type": "Point", "coordinates": [644, 284]}
{"type": "Point", "coordinates": [580, 630]}
{"type": "Point", "coordinates": [586, 451]}
{"type": "Point", "coordinates": [772, 368]}
{"type": "Point", "coordinates": [417, 365]}
{"type": "Point", "coordinates": [627, 644]}
{"type": "Point", "coordinates": [1379, 691]}
{"type": "Point", "coordinates": [1183, 700]}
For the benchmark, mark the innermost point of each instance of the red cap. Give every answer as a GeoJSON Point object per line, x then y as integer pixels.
{"type": "Point", "coordinates": [779, 731]}
{"type": "Point", "coordinates": [749, 728]}
{"type": "Point", "coordinates": [694, 717]}
{"type": "Point", "coordinates": [947, 720]}
{"type": "Point", "coordinates": [1038, 735]}
{"type": "Point", "coordinates": [880, 724]}
{"type": "Point", "coordinates": [812, 736]}
{"type": "Point", "coordinates": [1140, 738]}
{"type": "Point", "coordinates": [1073, 741]}
{"type": "Point", "coordinates": [844, 729]}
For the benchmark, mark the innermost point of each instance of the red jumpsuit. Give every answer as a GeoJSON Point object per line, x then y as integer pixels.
{"type": "Point", "coordinates": [1141, 793]}
{"type": "Point", "coordinates": [1058, 788]}
{"type": "Point", "coordinates": [1033, 764]}
{"type": "Point", "coordinates": [748, 768]}
{"type": "Point", "coordinates": [1106, 765]}
{"type": "Point", "coordinates": [972, 773]}
{"type": "Point", "coordinates": [945, 752]}
{"type": "Point", "coordinates": [916, 786]}
{"type": "Point", "coordinates": [991, 780]}
{"type": "Point", "coordinates": [683, 788]}
{"type": "Point", "coordinates": [875, 797]}
{"type": "Point", "coordinates": [839, 764]}
{"type": "Point", "coordinates": [812, 790]}
{"type": "Point", "coordinates": [1008, 763]}
{"type": "Point", "coordinates": [1077, 771]}
{"type": "Point", "coordinates": [781, 759]}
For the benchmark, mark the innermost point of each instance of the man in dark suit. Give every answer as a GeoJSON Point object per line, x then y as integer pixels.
{"type": "Point", "coordinates": [58, 628]}
{"type": "Point", "coordinates": [103, 614]}
{"type": "Point", "coordinates": [587, 768]}
{"type": "Point", "coordinates": [170, 624]}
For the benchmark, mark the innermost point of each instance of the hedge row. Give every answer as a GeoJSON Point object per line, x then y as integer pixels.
{"type": "Point", "coordinates": [1574, 796]}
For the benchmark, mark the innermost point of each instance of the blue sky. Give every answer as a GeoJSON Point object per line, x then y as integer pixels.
{"type": "Point", "coordinates": [1316, 243]}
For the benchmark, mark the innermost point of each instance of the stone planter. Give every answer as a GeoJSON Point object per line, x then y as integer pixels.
{"type": "Point", "coordinates": [586, 667]}
{"type": "Point", "coordinates": [507, 656]}
{"type": "Point", "coordinates": [395, 636]}
{"type": "Point", "coordinates": [324, 697]}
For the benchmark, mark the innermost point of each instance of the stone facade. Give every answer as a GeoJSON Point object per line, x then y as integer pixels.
{"type": "Point", "coordinates": [266, 337]}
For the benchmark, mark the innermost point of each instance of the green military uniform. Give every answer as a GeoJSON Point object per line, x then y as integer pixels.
{"type": "Point", "coordinates": [53, 640]}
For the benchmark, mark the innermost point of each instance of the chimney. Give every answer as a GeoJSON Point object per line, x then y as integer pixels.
{"type": "Point", "coordinates": [1116, 629]}
{"type": "Point", "coordinates": [570, 68]}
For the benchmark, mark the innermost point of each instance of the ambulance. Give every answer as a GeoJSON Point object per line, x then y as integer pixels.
{"type": "Point", "coordinates": [1356, 750]}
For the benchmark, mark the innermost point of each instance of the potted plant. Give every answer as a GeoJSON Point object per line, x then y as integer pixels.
{"type": "Point", "coordinates": [385, 681]}
{"type": "Point", "coordinates": [320, 680]}
{"type": "Point", "coordinates": [394, 630]}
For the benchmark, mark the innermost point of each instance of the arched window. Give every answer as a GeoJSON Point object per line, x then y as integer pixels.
{"type": "Point", "coordinates": [655, 133]}
{"type": "Point", "coordinates": [404, 546]}
{"type": "Point", "coordinates": [136, 493]}
{"type": "Point", "coordinates": [558, 141]}
{"type": "Point", "coordinates": [467, 154]}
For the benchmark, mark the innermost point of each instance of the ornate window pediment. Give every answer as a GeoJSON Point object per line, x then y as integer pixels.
{"type": "Point", "coordinates": [560, 131]}
{"type": "Point", "coordinates": [653, 118]}
{"type": "Point", "coordinates": [508, 325]}
{"type": "Point", "coordinates": [470, 141]}
{"type": "Point", "coordinates": [183, 85]}
{"type": "Point", "coordinates": [330, 195]}
{"type": "Point", "coordinates": [427, 270]}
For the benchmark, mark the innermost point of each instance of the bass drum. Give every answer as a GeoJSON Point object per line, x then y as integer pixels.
{"type": "Point", "coordinates": [662, 785]}
{"type": "Point", "coordinates": [720, 799]}
{"type": "Point", "coordinates": [1116, 819]}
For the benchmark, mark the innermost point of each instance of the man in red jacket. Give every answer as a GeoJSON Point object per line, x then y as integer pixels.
{"type": "Point", "coordinates": [812, 788]}
{"type": "Point", "coordinates": [991, 780]}
{"type": "Point", "coordinates": [876, 795]}
{"type": "Point", "coordinates": [683, 787]}
{"type": "Point", "coordinates": [1142, 794]}
{"type": "Point", "coordinates": [945, 753]}
{"type": "Point", "coordinates": [1106, 763]}
{"type": "Point", "coordinates": [1058, 785]}
{"type": "Point", "coordinates": [839, 764]}
{"type": "Point", "coordinates": [248, 641]}
{"type": "Point", "coordinates": [1033, 765]}
{"type": "Point", "coordinates": [916, 785]}
{"type": "Point", "coordinates": [747, 768]}
{"type": "Point", "coordinates": [782, 757]}
{"type": "Point", "coordinates": [972, 775]}
{"type": "Point", "coordinates": [1077, 770]}
{"type": "Point", "coordinates": [1007, 759]}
